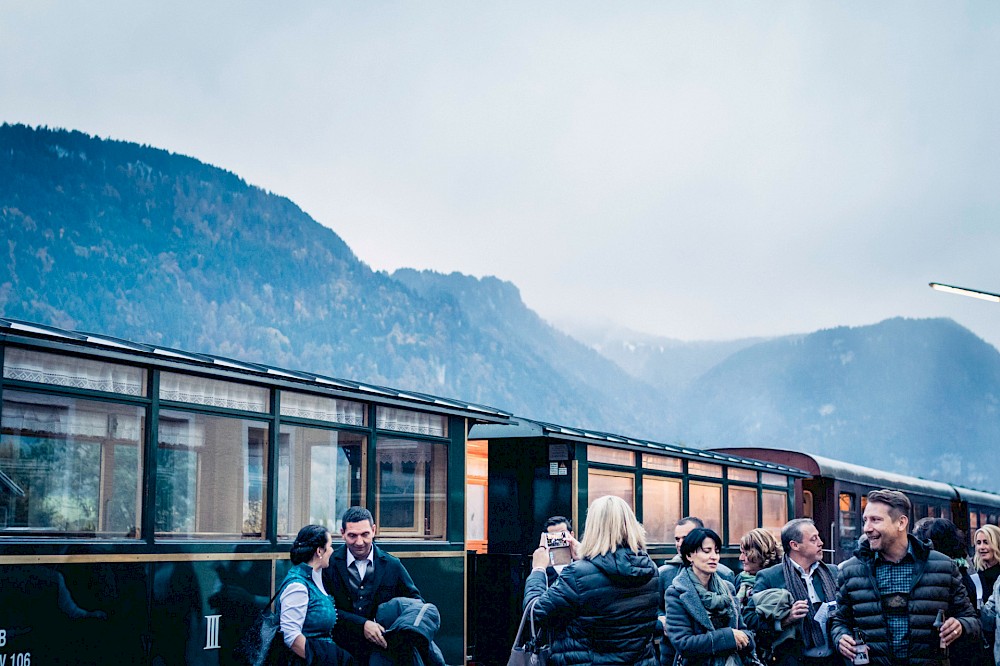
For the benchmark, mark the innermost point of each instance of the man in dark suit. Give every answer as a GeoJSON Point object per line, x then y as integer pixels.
{"type": "Point", "coordinates": [360, 577]}
{"type": "Point", "coordinates": [802, 636]}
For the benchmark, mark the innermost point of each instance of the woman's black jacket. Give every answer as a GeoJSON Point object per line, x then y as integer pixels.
{"type": "Point", "coordinates": [937, 585]}
{"type": "Point", "coordinates": [600, 611]}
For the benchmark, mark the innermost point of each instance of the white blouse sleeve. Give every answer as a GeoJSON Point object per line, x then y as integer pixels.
{"type": "Point", "coordinates": [294, 603]}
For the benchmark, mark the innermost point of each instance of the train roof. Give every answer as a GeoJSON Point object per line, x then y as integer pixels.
{"type": "Point", "coordinates": [521, 428]}
{"type": "Point", "coordinates": [978, 497]}
{"type": "Point", "coordinates": [837, 469]}
{"type": "Point", "coordinates": [58, 339]}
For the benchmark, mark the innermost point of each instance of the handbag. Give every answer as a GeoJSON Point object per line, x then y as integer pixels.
{"type": "Point", "coordinates": [530, 652]}
{"type": "Point", "coordinates": [263, 643]}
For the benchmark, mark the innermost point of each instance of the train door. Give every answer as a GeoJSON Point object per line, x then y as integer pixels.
{"type": "Point", "coordinates": [815, 501]}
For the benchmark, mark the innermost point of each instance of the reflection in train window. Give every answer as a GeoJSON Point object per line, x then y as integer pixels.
{"type": "Point", "coordinates": [411, 491]}
{"type": "Point", "coordinates": [320, 475]}
{"type": "Point", "coordinates": [661, 507]}
{"type": "Point", "coordinates": [603, 482]}
{"type": "Point", "coordinates": [705, 501]}
{"type": "Point", "coordinates": [210, 476]}
{"type": "Point", "coordinates": [742, 512]}
{"type": "Point", "coordinates": [775, 515]}
{"type": "Point", "coordinates": [69, 467]}
{"type": "Point", "coordinates": [79, 373]}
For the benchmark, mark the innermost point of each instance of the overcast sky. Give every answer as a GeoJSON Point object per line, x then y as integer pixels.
{"type": "Point", "coordinates": [697, 170]}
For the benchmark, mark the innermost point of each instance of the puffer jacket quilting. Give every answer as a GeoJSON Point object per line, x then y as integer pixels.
{"type": "Point", "coordinates": [937, 586]}
{"type": "Point", "coordinates": [600, 611]}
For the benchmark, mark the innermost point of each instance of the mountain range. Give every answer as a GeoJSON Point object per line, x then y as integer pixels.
{"type": "Point", "coordinates": [140, 243]}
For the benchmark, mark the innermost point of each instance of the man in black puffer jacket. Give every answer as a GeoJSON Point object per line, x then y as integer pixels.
{"type": "Point", "coordinates": [893, 588]}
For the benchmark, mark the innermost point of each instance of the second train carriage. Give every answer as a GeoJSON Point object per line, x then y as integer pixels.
{"type": "Point", "coordinates": [834, 496]}
{"type": "Point", "coordinates": [524, 472]}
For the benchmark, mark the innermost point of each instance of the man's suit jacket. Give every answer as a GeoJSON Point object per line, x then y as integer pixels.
{"type": "Point", "coordinates": [388, 580]}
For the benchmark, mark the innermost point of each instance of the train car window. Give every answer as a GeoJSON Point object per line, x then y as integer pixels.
{"type": "Point", "coordinates": [982, 519]}
{"type": "Point", "coordinates": [993, 519]}
{"type": "Point", "coordinates": [661, 463]}
{"type": "Point", "coordinates": [73, 372]}
{"type": "Point", "coordinates": [696, 468]}
{"type": "Point", "coordinates": [848, 517]}
{"type": "Point", "coordinates": [69, 467]}
{"type": "Point", "coordinates": [705, 501]}
{"type": "Point", "coordinates": [417, 423]}
{"type": "Point", "coordinates": [661, 507]}
{"type": "Point", "coordinates": [321, 408]}
{"type": "Point", "coordinates": [210, 480]}
{"type": "Point", "coordinates": [775, 505]}
{"type": "Point", "coordinates": [320, 474]}
{"type": "Point", "coordinates": [807, 504]}
{"type": "Point", "coordinates": [602, 482]}
{"type": "Point", "coordinates": [214, 393]}
{"type": "Point", "coordinates": [771, 479]}
{"type": "Point", "coordinates": [973, 519]}
{"type": "Point", "coordinates": [740, 474]}
{"type": "Point", "coordinates": [411, 492]}
{"type": "Point", "coordinates": [946, 512]}
{"type": "Point", "coordinates": [864, 503]}
{"type": "Point", "coordinates": [742, 512]}
{"type": "Point", "coordinates": [610, 456]}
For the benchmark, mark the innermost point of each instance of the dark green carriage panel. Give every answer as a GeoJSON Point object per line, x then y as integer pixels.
{"type": "Point", "coordinates": [441, 581]}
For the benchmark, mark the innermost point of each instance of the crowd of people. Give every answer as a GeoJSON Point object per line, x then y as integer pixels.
{"type": "Point", "coordinates": [907, 596]}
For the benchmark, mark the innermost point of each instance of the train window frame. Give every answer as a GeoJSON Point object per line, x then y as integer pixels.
{"type": "Point", "coordinates": [736, 531]}
{"type": "Point", "coordinates": [669, 521]}
{"type": "Point", "coordinates": [742, 474]}
{"type": "Point", "coordinates": [185, 390]}
{"type": "Point", "coordinates": [410, 422]}
{"type": "Point", "coordinates": [285, 498]}
{"type": "Point", "coordinates": [106, 486]}
{"type": "Point", "coordinates": [73, 371]}
{"type": "Point", "coordinates": [705, 517]}
{"type": "Point", "coordinates": [254, 482]}
{"type": "Point", "coordinates": [609, 455]}
{"type": "Point", "coordinates": [315, 408]}
{"type": "Point", "coordinates": [612, 473]}
{"type": "Point", "coordinates": [429, 497]}
{"type": "Point", "coordinates": [704, 470]}
{"type": "Point", "coordinates": [782, 496]}
{"type": "Point", "coordinates": [671, 464]}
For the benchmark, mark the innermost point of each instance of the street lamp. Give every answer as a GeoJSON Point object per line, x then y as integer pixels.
{"type": "Point", "coordinates": [962, 291]}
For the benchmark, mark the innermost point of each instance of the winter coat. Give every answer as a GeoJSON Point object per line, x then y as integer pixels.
{"type": "Point", "coordinates": [600, 611]}
{"type": "Point", "coordinates": [690, 629]}
{"type": "Point", "coordinates": [937, 585]}
{"type": "Point", "coordinates": [410, 628]}
{"type": "Point", "coordinates": [667, 572]}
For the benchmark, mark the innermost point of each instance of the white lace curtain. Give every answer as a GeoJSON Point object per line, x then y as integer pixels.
{"type": "Point", "coordinates": [58, 370]}
{"type": "Point", "coordinates": [213, 392]}
{"type": "Point", "coordinates": [404, 420]}
{"type": "Point", "coordinates": [319, 408]}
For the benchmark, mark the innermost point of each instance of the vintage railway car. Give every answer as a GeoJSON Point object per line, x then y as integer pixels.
{"type": "Point", "coordinates": [834, 496]}
{"type": "Point", "coordinates": [149, 496]}
{"type": "Point", "coordinates": [523, 472]}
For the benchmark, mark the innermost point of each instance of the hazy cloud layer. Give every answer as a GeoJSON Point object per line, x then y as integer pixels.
{"type": "Point", "coordinates": [695, 170]}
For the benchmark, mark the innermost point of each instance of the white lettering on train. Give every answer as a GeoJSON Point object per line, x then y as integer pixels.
{"type": "Point", "coordinates": [211, 632]}
{"type": "Point", "coordinates": [3, 637]}
{"type": "Point", "coordinates": [16, 659]}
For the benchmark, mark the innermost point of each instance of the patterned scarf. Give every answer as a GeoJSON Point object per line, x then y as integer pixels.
{"type": "Point", "coordinates": [716, 600]}
{"type": "Point", "coordinates": [813, 633]}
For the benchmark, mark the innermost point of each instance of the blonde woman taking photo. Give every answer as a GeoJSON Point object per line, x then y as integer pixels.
{"type": "Point", "coordinates": [602, 608]}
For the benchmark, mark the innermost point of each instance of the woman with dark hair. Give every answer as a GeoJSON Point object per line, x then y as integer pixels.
{"type": "Point", "coordinates": [946, 539]}
{"type": "Point", "coordinates": [306, 611]}
{"type": "Point", "coordinates": [704, 623]}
